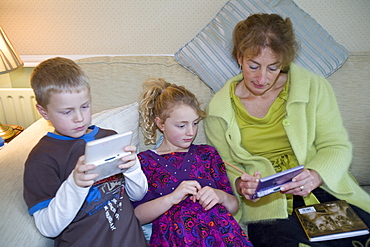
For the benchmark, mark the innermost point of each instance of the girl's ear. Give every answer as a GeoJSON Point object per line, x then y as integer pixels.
{"type": "Point", "coordinates": [42, 111]}
{"type": "Point", "coordinates": [159, 123]}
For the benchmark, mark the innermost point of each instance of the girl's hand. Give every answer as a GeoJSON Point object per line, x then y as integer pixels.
{"type": "Point", "coordinates": [303, 183]}
{"type": "Point", "coordinates": [209, 197]}
{"type": "Point", "coordinates": [246, 185]}
{"type": "Point", "coordinates": [80, 177]}
{"type": "Point", "coordinates": [152, 209]}
{"type": "Point", "coordinates": [130, 159]}
{"type": "Point", "coordinates": [185, 189]}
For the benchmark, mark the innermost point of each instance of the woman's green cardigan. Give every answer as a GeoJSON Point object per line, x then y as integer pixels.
{"type": "Point", "coordinates": [318, 138]}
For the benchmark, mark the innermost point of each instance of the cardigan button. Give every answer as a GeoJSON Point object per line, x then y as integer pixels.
{"type": "Point", "coordinates": [286, 122]}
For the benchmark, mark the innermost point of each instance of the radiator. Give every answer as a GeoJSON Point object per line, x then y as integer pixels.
{"type": "Point", "coordinates": [17, 106]}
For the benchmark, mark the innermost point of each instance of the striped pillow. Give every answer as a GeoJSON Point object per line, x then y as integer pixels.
{"type": "Point", "coordinates": [208, 54]}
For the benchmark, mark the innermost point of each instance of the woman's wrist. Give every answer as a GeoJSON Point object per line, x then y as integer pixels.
{"type": "Point", "coordinates": [316, 179]}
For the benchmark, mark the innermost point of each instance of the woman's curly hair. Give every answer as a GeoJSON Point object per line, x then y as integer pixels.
{"type": "Point", "coordinates": [258, 31]}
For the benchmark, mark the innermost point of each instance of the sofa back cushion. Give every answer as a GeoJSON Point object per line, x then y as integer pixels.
{"type": "Point", "coordinates": [352, 89]}
{"type": "Point", "coordinates": [117, 81]}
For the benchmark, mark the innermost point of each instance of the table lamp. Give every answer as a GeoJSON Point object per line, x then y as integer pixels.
{"type": "Point", "coordinates": [9, 61]}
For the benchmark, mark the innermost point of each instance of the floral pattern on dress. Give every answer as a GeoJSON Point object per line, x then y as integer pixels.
{"type": "Point", "coordinates": [187, 223]}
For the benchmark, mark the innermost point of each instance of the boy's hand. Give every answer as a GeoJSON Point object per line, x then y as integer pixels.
{"type": "Point", "coordinates": [80, 177]}
{"type": "Point", "coordinates": [130, 159]}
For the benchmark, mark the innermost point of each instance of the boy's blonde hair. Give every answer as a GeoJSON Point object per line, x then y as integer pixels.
{"type": "Point", "coordinates": [158, 99]}
{"type": "Point", "coordinates": [57, 75]}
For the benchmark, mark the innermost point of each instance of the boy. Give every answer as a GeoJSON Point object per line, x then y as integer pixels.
{"type": "Point", "coordinates": [66, 203]}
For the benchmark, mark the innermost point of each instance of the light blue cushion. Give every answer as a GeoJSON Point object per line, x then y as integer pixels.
{"type": "Point", "coordinates": [208, 54]}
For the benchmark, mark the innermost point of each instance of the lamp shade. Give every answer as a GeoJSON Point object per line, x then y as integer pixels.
{"type": "Point", "coordinates": [9, 59]}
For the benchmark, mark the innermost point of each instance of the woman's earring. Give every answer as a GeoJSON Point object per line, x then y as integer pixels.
{"type": "Point", "coordinates": [240, 67]}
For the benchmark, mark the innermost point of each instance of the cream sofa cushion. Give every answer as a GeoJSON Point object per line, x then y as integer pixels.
{"type": "Point", "coordinates": [117, 81]}
{"type": "Point", "coordinates": [352, 89]}
{"type": "Point", "coordinates": [120, 119]}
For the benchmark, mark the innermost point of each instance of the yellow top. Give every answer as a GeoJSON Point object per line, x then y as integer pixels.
{"type": "Point", "coordinates": [278, 149]}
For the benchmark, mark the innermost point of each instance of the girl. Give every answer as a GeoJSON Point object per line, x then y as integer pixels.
{"type": "Point", "coordinates": [189, 200]}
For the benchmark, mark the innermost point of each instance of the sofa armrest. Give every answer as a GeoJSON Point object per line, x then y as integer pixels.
{"type": "Point", "coordinates": [16, 225]}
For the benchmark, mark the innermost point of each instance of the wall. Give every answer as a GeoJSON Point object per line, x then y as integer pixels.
{"type": "Point", "coordinates": [76, 28]}
{"type": "Point", "coordinates": [39, 27]}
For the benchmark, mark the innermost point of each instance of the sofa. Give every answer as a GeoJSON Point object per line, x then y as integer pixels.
{"type": "Point", "coordinates": [116, 85]}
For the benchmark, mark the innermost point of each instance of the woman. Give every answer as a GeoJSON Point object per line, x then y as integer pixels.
{"type": "Point", "coordinates": [275, 116]}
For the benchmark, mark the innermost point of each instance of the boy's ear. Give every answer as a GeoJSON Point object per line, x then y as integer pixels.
{"type": "Point", "coordinates": [42, 111]}
{"type": "Point", "coordinates": [159, 123]}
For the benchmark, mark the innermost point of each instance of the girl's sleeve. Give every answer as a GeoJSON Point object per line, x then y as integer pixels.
{"type": "Point", "coordinates": [220, 175]}
{"type": "Point", "coordinates": [215, 129]}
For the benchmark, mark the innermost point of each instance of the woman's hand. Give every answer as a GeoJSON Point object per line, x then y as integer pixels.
{"type": "Point", "coordinates": [246, 185]}
{"type": "Point", "coordinates": [303, 183]}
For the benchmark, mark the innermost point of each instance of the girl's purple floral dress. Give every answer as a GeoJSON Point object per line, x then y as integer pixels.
{"type": "Point", "coordinates": [187, 223]}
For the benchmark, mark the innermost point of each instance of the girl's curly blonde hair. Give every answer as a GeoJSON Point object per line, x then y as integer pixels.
{"type": "Point", "coordinates": [157, 100]}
